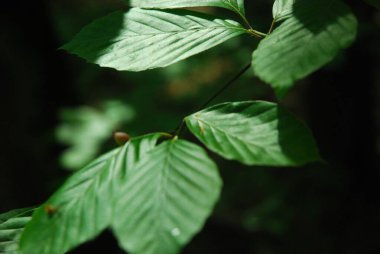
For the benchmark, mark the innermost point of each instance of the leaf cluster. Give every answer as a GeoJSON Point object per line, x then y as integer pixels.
{"type": "Point", "coordinates": [156, 191]}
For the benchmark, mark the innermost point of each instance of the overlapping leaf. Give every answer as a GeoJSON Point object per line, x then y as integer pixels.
{"type": "Point", "coordinates": [314, 34]}
{"type": "Point", "coordinates": [83, 207]}
{"type": "Point", "coordinates": [12, 224]}
{"type": "Point", "coordinates": [282, 9]}
{"type": "Point", "coordinates": [254, 133]}
{"type": "Point", "coordinates": [146, 39]}
{"type": "Point", "coordinates": [233, 5]}
{"type": "Point", "coordinates": [168, 197]}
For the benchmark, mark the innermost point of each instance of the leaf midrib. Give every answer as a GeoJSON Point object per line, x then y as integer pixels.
{"type": "Point", "coordinates": [187, 30]}
{"type": "Point", "coordinates": [161, 193]}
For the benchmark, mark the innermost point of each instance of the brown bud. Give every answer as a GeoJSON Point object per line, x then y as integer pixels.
{"type": "Point", "coordinates": [50, 210]}
{"type": "Point", "coordinates": [120, 137]}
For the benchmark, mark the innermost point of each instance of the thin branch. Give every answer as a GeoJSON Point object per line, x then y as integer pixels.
{"type": "Point", "coordinates": [227, 85]}
{"type": "Point", "coordinates": [256, 33]}
{"type": "Point", "coordinates": [272, 26]}
{"type": "Point", "coordinates": [245, 20]}
{"type": "Point", "coordinates": [179, 129]}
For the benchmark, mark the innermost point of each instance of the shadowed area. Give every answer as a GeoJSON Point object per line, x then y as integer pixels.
{"type": "Point", "coordinates": [314, 209]}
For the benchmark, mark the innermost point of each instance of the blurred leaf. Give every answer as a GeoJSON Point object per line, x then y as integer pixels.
{"type": "Point", "coordinates": [233, 5]}
{"type": "Point", "coordinates": [83, 206]}
{"type": "Point", "coordinates": [282, 9]}
{"type": "Point", "coordinates": [254, 133]}
{"type": "Point", "coordinates": [85, 129]}
{"type": "Point", "coordinates": [272, 215]}
{"type": "Point", "coordinates": [167, 199]}
{"type": "Point", "coordinates": [146, 39]}
{"type": "Point", "coordinates": [306, 41]}
{"type": "Point", "coordinates": [12, 224]}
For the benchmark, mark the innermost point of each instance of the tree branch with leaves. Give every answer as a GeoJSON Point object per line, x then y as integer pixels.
{"type": "Point", "coordinates": [156, 191]}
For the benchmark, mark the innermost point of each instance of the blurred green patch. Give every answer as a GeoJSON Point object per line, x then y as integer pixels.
{"type": "Point", "coordinates": [85, 129]}
{"type": "Point", "coordinates": [272, 215]}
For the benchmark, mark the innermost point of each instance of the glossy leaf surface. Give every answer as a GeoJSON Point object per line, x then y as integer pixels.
{"type": "Point", "coordinates": [282, 9]}
{"type": "Point", "coordinates": [254, 133]}
{"type": "Point", "coordinates": [12, 224]}
{"type": "Point", "coordinates": [304, 42]}
{"type": "Point", "coordinates": [83, 207]}
{"type": "Point", "coordinates": [146, 39]}
{"type": "Point", "coordinates": [233, 5]}
{"type": "Point", "coordinates": [168, 197]}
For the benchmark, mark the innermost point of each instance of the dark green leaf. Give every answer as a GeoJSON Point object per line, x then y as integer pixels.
{"type": "Point", "coordinates": [146, 39]}
{"type": "Point", "coordinates": [306, 41]}
{"type": "Point", "coordinates": [167, 199]}
{"type": "Point", "coordinates": [233, 5]}
{"type": "Point", "coordinates": [83, 207]}
{"type": "Point", "coordinates": [254, 133]}
{"type": "Point", "coordinates": [12, 224]}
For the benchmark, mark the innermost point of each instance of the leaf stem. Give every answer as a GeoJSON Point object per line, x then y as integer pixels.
{"type": "Point", "coordinates": [272, 26]}
{"type": "Point", "coordinates": [180, 128]}
{"type": "Point", "coordinates": [241, 14]}
{"type": "Point", "coordinates": [225, 86]}
{"type": "Point", "coordinates": [245, 20]}
{"type": "Point", "coordinates": [249, 28]}
{"type": "Point", "coordinates": [256, 33]}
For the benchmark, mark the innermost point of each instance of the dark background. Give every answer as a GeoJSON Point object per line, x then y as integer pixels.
{"type": "Point", "coordinates": [320, 208]}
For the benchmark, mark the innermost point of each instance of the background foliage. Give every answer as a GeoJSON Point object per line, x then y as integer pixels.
{"type": "Point", "coordinates": [332, 208]}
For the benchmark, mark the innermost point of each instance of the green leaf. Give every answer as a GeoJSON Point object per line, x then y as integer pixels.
{"type": "Point", "coordinates": [146, 39]}
{"type": "Point", "coordinates": [303, 43]}
{"type": "Point", "coordinates": [233, 5]}
{"type": "Point", "coordinates": [12, 224]}
{"type": "Point", "coordinates": [254, 133]}
{"type": "Point", "coordinates": [374, 3]}
{"type": "Point", "coordinates": [83, 207]}
{"type": "Point", "coordinates": [282, 9]}
{"type": "Point", "coordinates": [167, 199]}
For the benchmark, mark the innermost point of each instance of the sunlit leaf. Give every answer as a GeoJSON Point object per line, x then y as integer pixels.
{"type": "Point", "coordinates": [146, 39]}
{"type": "Point", "coordinates": [169, 195]}
{"type": "Point", "coordinates": [12, 224]}
{"type": "Point", "coordinates": [304, 42]}
{"type": "Point", "coordinates": [83, 207]}
{"type": "Point", "coordinates": [254, 133]}
{"type": "Point", "coordinates": [282, 9]}
{"type": "Point", "coordinates": [233, 5]}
